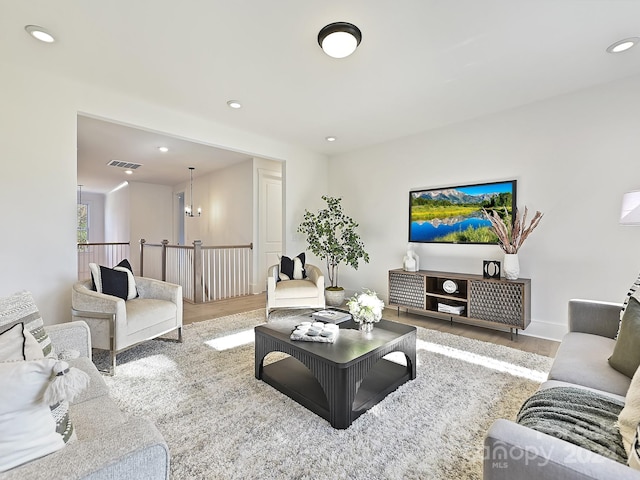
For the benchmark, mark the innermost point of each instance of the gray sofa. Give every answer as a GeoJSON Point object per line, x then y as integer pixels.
{"type": "Point", "coordinates": [109, 445]}
{"type": "Point", "coordinates": [513, 451]}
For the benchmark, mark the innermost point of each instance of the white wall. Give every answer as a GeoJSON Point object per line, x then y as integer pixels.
{"type": "Point", "coordinates": [573, 156]}
{"type": "Point", "coordinates": [96, 202]}
{"type": "Point", "coordinates": [226, 199]}
{"type": "Point", "coordinates": [38, 139]}
{"type": "Point", "coordinates": [117, 215]}
{"type": "Point", "coordinates": [150, 218]}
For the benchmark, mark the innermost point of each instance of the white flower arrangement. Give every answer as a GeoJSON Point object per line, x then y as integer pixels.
{"type": "Point", "coordinates": [366, 307]}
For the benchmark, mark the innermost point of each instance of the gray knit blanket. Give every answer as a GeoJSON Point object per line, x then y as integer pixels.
{"type": "Point", "coordinates": [578, 416]}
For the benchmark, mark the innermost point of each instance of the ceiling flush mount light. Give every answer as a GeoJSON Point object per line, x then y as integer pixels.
{"type": "Point", "coordinates": [339, 39]}
{"type": "Point", "coordinates": [39, 33]}
{"type": "Point", "coordinates": [188, 210]}
{"type": "Point", "coordinates": [129, 172]}
{"type": "Point", "coordinates": [623, 45]}
{"type": "Point", "coordinates": [234, 104]}
{"type": "Point", "coordinates": [330, 139]}
{"type": "Point", "coordinates": [163, 149]}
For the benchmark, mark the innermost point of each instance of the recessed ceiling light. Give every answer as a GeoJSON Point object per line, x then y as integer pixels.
{"type": "Point", "coordinates": [129, 172]}
{"type": "Point", "coordinates": [163, 149]}
{"type": "Point", "coordinates": [330, 139]}
{"type": "Point", "coordinates": [40, 33]}
{"type": "Point", "coordinates": [623, 45]}
{"type": "Point", "coordinates": [234, 104]}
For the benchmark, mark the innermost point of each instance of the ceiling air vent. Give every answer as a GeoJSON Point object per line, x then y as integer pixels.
{"type": "Point", "coordinates": [121, 164]}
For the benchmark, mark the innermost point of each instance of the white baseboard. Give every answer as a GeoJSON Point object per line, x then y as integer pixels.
{"type": "Point", "coordinates": [546, 330]}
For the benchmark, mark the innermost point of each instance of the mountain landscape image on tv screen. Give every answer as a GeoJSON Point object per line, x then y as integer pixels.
{"type": "Point", "coordinates": [454, 214]}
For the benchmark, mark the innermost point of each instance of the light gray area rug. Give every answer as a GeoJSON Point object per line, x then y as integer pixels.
{"type": "Point", "coordinates": [220, 422]}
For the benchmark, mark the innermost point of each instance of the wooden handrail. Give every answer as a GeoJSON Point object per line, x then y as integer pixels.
{"type": "Point", "coordinates": [220, 247]}
{"type": "Point", "coordinates": [91, 244]}
{"type": "Point", "coordinates": [106, 253]}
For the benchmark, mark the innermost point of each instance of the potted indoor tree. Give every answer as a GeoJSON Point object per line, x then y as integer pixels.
{"type": "Point", "coordinates": [331, 236]}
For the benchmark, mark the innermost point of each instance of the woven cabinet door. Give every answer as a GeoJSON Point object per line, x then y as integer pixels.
{"type": "Point", "coordinates": [500, 302]}
{"type": "Point", "coordinates": [406, 290]}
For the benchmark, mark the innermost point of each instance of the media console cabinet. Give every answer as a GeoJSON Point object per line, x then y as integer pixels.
{"type": "Point", "coordinates": [489, 302]}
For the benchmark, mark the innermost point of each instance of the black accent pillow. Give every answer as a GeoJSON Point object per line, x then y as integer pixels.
{"type": "Point", "coordinates": [286, 268]}
{"type": "Point", "coordinates": [125, 263]}
{"type": "Point", "coordinates": [114, 282]}
{"type": "Point", "coordinates": [289, 270]}
{"type": "Point", "coordinates": [117, 281]}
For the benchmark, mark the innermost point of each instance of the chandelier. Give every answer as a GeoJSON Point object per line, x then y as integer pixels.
{"type": "Point", "coordinates": [188, 210]}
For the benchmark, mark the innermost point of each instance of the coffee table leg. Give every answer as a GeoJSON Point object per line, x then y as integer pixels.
{"type": "Point", "coordinates": [340, 389]}
{"type": "Point", "coordinates": [259, 355]}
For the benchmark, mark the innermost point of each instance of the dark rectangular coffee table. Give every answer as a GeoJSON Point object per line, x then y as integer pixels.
{"type": "Point", "coordinates": [337, 381]}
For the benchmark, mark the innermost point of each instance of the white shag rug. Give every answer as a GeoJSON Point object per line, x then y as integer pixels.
{"type": "Point", "coordinates": [220, 422]}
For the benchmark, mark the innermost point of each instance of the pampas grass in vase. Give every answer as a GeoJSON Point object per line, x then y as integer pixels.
{"type": "Point", "coordinates": [512, 236]}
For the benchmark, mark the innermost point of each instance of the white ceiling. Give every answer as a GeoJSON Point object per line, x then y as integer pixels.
{"type": "Point", "coordinates": [421, 64]}
{"type": "Point", "coordinates": [99, 142]}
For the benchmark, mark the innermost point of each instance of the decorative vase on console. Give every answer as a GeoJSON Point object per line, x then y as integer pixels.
{"type": "Point", "coordinates": [511, 235]}
{"type": "Point", "coordinates": [411, 261]}
{"type": "Point", "coordinates": [366, 309]}
{"type": "Point", "coordinates": [511, 266]}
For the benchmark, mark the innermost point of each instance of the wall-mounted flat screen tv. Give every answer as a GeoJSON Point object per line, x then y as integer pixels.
{"type": "Point", "coordinates": [454, 214]}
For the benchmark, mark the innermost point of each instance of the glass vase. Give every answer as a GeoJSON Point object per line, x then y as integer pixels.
{"type": "Point", "coordinates": [366, 326]}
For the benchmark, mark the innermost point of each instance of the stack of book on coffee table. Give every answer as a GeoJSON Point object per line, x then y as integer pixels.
{"type": "Point", "coordinates": [331, 316]}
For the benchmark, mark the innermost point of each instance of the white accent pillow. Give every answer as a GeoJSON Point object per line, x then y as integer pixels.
{"type": "Point", "coordinates": [20, 307]}
{"type": "Point", "coordinates": [634, 454]}
{"type": "Point", "coordinates": [17, 343]}
{"type": "Point", "coordinates": [630, 415]}
{"type": "Point", "coordinates": [27, 428]}
{"type": "Point", "coordinates": [298, 269]}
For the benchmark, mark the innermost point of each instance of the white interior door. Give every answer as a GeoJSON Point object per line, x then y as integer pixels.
{"type": "Point", "coordinates": [269, 222]}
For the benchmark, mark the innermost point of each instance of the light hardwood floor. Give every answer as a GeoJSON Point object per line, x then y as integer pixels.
{"type": "Point", "coordinates": [221, 308]}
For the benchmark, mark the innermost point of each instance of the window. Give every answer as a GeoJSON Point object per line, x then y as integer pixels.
{"type": "Point", "coordinates": [83, 223]}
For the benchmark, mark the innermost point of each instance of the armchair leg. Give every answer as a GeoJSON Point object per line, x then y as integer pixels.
{"type": "Point", "coordinates": [164, 339]}
{"type": "Point", "coordinates": [112, 363]}
{"type": "Point", "coordinates": [111, 368]}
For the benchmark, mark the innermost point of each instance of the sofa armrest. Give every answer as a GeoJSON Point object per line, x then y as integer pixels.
{"type": "Point", "coordinates": [70, 336]}
{"type": "Point", "coordinates": [85, 300]}
{"type": "Point", "coordinates": [273, 274]}
{"type": "Point", "coordinates": [134, 449]}
{"type": "Point", "coordinates": [152, 288]}
{"type": "Point", "coordinates": [596, 318]}
{"type": "Point", "coordinates": [315, 275]}
{"type": "Point", "coordinates": [513, 451]}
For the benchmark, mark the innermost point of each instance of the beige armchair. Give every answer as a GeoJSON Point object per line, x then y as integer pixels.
{"type": "Point", "coordinates": [116, 324]}
{"type": "Point", "coordinates": [306, 293]}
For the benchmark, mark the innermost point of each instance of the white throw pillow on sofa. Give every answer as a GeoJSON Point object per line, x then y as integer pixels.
{"type": "Point", "coordinates": [27, 428]}
{"type": "Point", "coordinates": [630, 415]}
{"type": "Point", "coordinates": [16, 343]}
{"type": "Point", "coordinates": [634, 454]}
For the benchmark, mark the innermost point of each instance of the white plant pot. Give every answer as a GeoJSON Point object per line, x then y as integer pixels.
{"type": "Point", "coordinates": [511, 266]}
{"type": "Point", "coordinates": [334, 298]}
